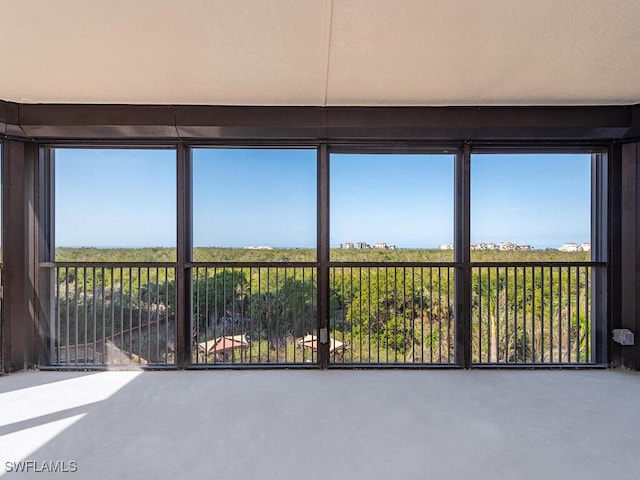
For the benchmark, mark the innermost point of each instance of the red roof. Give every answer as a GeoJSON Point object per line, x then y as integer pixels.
{"type": "Point", "coordinates": [221, 344]}
{"type": "Point", "coordinates": [311, 341]}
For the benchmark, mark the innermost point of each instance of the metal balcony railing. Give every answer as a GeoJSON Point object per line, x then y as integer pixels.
{"type": "Point", "coordinates": [253, 315]}
{"type": "Point", "coordinates": [532, 313]}
{"type": "Point", "coordinates": [109, 315]}
{"type": "Point", "coordinates": [392, 315]}
{"type": "Point", "coordinates": [112, 316]}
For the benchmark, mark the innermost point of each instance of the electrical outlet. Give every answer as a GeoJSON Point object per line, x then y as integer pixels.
{"type": "Point", "coordinates": [623, 336]}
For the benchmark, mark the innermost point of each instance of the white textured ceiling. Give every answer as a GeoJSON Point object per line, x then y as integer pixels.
{"type": "Point", "coordinates": [321, 52]}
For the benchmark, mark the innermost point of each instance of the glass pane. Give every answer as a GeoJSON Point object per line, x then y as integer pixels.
{"type": "Point", "coordinates": [254, 205]}
{"type": "Point", "coordinates": [392, 207]}
{"type": "Point", "coordinates": [531, 207]}
{"type": "Point", "coordinates": [115, 205]}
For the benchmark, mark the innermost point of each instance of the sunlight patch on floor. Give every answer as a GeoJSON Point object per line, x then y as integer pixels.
{"type": "Point", "coordinates": [34, 416]}
{"type": "Point", "coordinates": [18, 446]}
{"type": "Point", "coordinates": [33, 402]}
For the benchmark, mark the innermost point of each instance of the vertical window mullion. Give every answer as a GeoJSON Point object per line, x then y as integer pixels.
{"type": "Point", "coordinates": [462, 236]}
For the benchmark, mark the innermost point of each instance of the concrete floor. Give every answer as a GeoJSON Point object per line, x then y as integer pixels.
{"type": "Point", "coordinates": [285, 424]}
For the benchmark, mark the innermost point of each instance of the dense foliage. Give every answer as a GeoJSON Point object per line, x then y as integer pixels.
{"type": "Point", "coordinates": [397, 314]}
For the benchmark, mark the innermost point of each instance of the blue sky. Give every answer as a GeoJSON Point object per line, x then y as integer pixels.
{"type": "Point", "coordinates": [252, 197]}
{"type": "Point", "coordinates": [115, 198]}
{"type": "Point", "coordinates": [403, 200]}
{"type": "Point", "coordinates": [539, 200]}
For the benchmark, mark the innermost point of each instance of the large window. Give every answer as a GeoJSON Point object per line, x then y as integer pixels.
{"type": "Point", "coordinates": [112, 206]}
{"type": "Point", "coordinates": [388, 211]}
{"type": "Point", "coordinates": [532, 277]}
{"type": "Point", "coordinates": [392, 291]}
{"type": "Point", "coordinates": [254, 205]}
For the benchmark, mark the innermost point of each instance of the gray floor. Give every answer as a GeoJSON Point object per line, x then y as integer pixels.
{"type": "Point", "coordinates": [284, 424]}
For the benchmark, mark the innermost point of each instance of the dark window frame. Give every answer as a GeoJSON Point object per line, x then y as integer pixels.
{"type": "Point", "coordinates": [518, 129]}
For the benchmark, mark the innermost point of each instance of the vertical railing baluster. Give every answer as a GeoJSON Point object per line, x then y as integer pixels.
{"type": "Point", "coordinates": [392, 311]}
{"type": "Point", "coordinates": [351, 293]}
{"type": "Point", "coordinates": [421, 314]}
{"type": "Point", "coordinates": [542, 323]}
{"type": "Point", "coordinates": [139, 306]}
{"type": "Point", "coordinates": [275, 313]}
{"type": "Point", "coordinates": [113, 308]}
{"type": "Point", "coordinates": [439, 314]}
{"type": "Point", "coordinates": [479, 318]}
{"type": "Point", "coordinates": [431, 315]}
{"type": "Point", "coordinates": [513, 353]}
{"type": "Point", "coordinates": [375, 344]}
{"type": "Point", "coordinates": [225, 323]}
{"type": "Point", "coordinates": [524, 314]}
{"type": "Point", "coordinates": [84, 317]}
{"type": "Point", "coordinates": [315, 329]}
{"type": "Point", "coordinates": [506, 314]}
{"type": "Point", "coordinates": [168, 295]}
{"type": "Point", "coordinates": [578, 312]}
{"type": "Point", "coordinates": [560, 316]}
{"type": "Point", "coordinates": [568, 327]}
{"type": "Point", "coordinates": [75, 313]}
{"type": "Point", "coordinates": [130, 290]}
{"type": "Point", "coordinates": [405, 313]}
{"type": "Point", "coordinates": [233, 300]}
{"type": "Point", "coordinates": [95, 312]}
{"type": "Point", "coordinates": [58, 318]}
{"type": "Point", "coordinates": [68, 317]}
{"type": "Point", "coordinates": [149, 290]}
{"type": "Point", "coordinates": [200, 316]}
{"type": "Point", "coordinates": [533, 314]}
{"type": "Point", "coordinates": [386, 286]}
{"type": "Point", "coordinates": [157, 312]}
{"type": "Point", "coordinates": [102, 313]}
{"type": "Point", "coordinates": [269, 314]}
{"type": "Point", "coordinates": [444, 293]}
{"type": "Point", "coordinates": [491, 312]}
{"type": "Point", "coordinates": [587, 313]}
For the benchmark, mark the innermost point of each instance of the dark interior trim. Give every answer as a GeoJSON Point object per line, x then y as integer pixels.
{"type": "Point", "coordinates": [192, 123]}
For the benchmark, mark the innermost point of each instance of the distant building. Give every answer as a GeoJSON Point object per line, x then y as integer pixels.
{"type": "Point", "coordinates": [484, 246]}
{"type": "Point", "coordinates": [492, 246]}
{"type": "Point", "coordinates": [261, 247]}
{"type": "Point", "coordinates": [569, 247]}
{"type": "Point", "coordinates": [365, 245]}
{"type": "Point", "coordinates": [507, 246]}
{"type": "Point", "coordinates": [446, 246]}
{"type": "Point", "coordinates": [585, 246]}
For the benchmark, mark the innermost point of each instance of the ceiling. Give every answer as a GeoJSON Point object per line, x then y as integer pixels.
{"type": "Point", "coordinates": [321, 52]}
